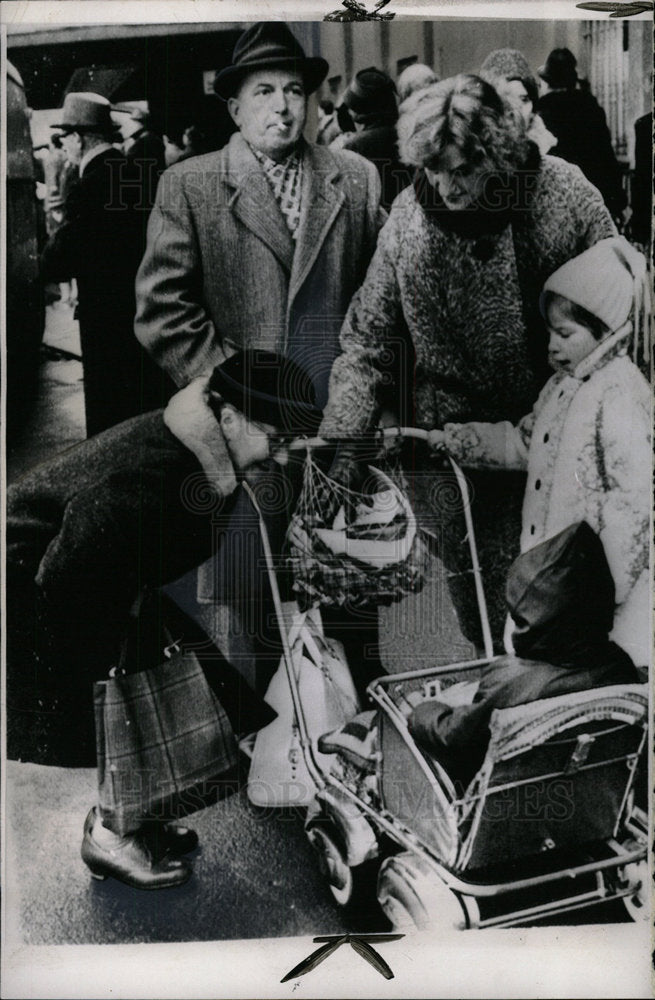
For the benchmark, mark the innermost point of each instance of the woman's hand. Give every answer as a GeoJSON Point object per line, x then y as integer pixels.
{"type": "Point", "coordinates": [437, 441]}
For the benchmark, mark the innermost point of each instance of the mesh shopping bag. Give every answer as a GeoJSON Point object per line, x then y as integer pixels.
{"type": "Point", "coordinates": [367, 554]}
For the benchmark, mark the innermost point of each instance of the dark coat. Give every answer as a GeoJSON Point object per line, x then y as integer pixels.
{"type": "Point", "coordinates": [146, 156]}
{"type": "Point", "coordinates": [578, 123]}
{"type": "Point", "coordinates": [128, 509]}
{"type": "Point", "coordinates": [642, 187]}
{"type": "Point", "coordinates": [379, 144]}
{"type": "Point", "coordinates": [101, 244]}
{"type": "Point", "coordinates": [561, 597]}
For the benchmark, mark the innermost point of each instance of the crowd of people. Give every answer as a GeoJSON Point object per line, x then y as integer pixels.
{"type": "Point", "coordinates": [439, 249]}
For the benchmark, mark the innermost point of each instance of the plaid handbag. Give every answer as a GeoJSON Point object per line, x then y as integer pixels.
{"type": "Point", "coordinates": [162, 740]}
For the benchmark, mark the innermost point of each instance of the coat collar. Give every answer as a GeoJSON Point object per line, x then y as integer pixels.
{"type": "Point", "coordinates": [321, 202]}
{"type": "Point", "coordinates": [253, 201]}
{"type": "Point", "coordinates": [613, 346]}
{"type": "Point", "coordinates": [254, 204]}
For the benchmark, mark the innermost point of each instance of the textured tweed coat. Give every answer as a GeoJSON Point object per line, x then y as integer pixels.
{"type": "Point", "coordinates": [468, 305]}
{"type": "Point", "coordinates": [466, 316]}
{"type": "Point", "coordinates": [587, 449]}
{"type": "Point", "coordinates": [221, 270]}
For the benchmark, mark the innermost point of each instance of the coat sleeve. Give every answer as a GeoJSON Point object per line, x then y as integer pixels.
{"type": "Point", "coordinates": [490, 446]}
{"type": "Point", "coordinates": [171, 321]}
{"type": "Point", "coordinates": [621, 506]}
{"type": "Point", "coordinates": [373, 320]}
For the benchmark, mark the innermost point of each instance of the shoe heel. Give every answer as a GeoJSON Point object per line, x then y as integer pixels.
{"type": "Point", "coordinates": [98, 876]}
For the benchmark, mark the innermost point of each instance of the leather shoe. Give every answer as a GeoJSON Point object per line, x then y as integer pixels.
{"type": "Point", "coordinates": [132, 861]}
{"type": "Point", "coordinates": [170, 838]}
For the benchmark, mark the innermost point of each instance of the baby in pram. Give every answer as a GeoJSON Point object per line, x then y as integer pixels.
{"type": "Point", "coordinates": [585, 538]}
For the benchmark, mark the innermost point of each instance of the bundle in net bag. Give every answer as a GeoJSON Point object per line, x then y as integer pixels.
{"type": "Point", "coordinates": [351, 548]}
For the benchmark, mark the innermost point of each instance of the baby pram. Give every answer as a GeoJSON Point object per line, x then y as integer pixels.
{"type": "Point", "coordinates": [547, 825]}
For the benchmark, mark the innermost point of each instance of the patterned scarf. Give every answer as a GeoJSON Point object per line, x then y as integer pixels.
{"type": "Point", "coordinates": [285, 179]}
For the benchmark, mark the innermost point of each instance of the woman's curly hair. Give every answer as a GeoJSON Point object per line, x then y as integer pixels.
{"type": "Point", "coordinates": [466, 112]}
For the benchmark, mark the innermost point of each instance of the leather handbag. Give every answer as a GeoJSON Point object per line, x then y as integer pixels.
{"type": "Point", "coordinates": [278, 774]}
{"type": "Point", "coordinates": [162, 740]}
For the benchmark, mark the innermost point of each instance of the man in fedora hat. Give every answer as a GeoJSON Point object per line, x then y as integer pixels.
{"type": "Point", "coordinates": [101, 244]}
{"type": "Point", "coordinates": [135, 507]}
{"type": "Point", "coordinates": [263, 243]}
{"type": "Point", "coordinates": [577, 121]}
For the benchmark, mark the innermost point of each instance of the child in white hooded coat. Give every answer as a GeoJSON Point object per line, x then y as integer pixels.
{"type": "Point", "coordinates": [586, 445]}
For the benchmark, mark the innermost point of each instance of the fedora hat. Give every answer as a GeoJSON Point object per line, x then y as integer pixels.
{"type": "Point", "coordinates": [268, 45]}
{"type": "Point", "coordinates": [86, 113]}
{"type": "Point", "coordinates": [559, 70]}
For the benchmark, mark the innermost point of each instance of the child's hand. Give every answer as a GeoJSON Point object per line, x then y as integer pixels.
{"type": "Point", "coordinates": [437, 441]}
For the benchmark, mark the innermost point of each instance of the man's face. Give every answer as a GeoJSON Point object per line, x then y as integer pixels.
{"type": "Point", "coordinates": [270, 110]}
{"type": "Point", "coordinates": [514, 92]}
{"type": "Point", "coordinates": [250, 442]}
{"type": "Point", "coordinates": [71, 143]}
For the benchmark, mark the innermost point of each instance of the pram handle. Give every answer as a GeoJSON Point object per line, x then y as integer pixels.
{"type": "Point", "coordinates": [381, 433]}
{"type": "Point", "coordinates": [422, 435]}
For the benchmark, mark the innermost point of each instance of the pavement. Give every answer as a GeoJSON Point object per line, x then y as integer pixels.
{"type": "Point", "coordinates": [255, 875]}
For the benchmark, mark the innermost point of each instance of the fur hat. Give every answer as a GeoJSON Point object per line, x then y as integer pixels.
{"type": "Point", "coordinates": [605, 280]}
{"type": "Point", "coordinates": [510, 64]}
{"type": "Point", "coordinates": [268, 388]}
{"type": "Point", "coordinates": [269, 45]}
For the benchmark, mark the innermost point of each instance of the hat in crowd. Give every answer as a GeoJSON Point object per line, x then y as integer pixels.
{"type": "Point", "coordinates": [510, 64]}
{"type": "Point", "coordinates": [559, 71]}
{"type": "Point", "coordinates": [86, 112]}
{"type": "Point", "coordinates": [605, 280]}
{"type": "Point", "coordinates": [268, 388]}
{"type": "Point", "coordinates": [414, 77]}
{"type": "Point", "coordinates": [136, 114]}
{"type": "Point", "coordinates": [371, 93]}
{"type": "Point", "coordinates": [269, 45]}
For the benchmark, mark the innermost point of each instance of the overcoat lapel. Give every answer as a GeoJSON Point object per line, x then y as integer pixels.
{"type": "Point", "coordinates": [253, 203]}
{"type": "Point", "coordinates": [322, 199]}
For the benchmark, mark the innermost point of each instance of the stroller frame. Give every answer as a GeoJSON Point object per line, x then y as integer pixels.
{"type": "Point", "coordinates": [355, 823]}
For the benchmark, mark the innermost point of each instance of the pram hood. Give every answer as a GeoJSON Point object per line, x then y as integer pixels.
{"type": "Point", "coordinates": [560, 595]}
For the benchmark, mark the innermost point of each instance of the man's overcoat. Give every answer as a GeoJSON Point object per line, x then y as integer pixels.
{"type": "Point", "coordinates": [222, 270]}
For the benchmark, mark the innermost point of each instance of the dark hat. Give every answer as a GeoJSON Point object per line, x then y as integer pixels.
{"type": "Point", "coordinates": [86, 112]}
{"type": "Point", "coordinates": [135, 113]}
{"type": "Point", "coordinates": [371, 92]}
{"type": "Point", "coordinates": [561, 596]}
{"type": "Point", "coordinates": [269, 45]}
{"type": "Point", "coordinates": [269, 388]}
{"type": "Point", "coordinates": [559, 70]}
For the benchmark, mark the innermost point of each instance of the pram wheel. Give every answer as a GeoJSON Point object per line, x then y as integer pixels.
{"type": "Point", "coordinates": [636, 875]}
{"type": "Point", "coordinates": [414, 897]}
{"type": "Point", "coordinates": [352, 887]}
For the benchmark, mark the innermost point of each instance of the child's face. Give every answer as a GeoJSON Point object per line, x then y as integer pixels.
{"type": "Point", "coordinates": [569, 342]}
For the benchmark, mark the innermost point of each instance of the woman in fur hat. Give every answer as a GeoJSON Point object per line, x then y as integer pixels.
{"type": "Point", "coordinates": [508, 71]}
